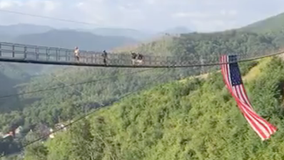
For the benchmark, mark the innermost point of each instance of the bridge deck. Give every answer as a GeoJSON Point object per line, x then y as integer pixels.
{"type": "Point", "coordinates": [21, 53]}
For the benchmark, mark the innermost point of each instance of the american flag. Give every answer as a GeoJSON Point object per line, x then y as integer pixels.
{"type": "Point", "coordinates": [232, 77]}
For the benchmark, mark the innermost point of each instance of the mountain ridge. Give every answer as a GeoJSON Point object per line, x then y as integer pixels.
{"type": "Point", "coordinates": [273, 23]}
{"type": "Point", "coordinates": [70, 39]}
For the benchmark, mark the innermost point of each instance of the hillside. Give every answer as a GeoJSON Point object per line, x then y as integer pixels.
{"type": "Point", "coordinates": [14, 71]}
{"type": "Point", "coordinates": [196, 119]}
{"type": "Point", "coordinates": [70, 39]}
{"type": "Point", "coordinates": [9, 78]}
{"type": "Point", "coordinates": [211, 44]}
{"type": "Point", "coordinates": [11, 75]}
{"type": "Point", "coordinates": [124, 32]}
{"type": "Point", "coordinates": [21, 29]}
{"type": "Point", "coordinates": [272, 24]}
{"type": "Point", "coordinates": [138, 35]}
{"type": "Point", "coordinates": [177, 30]}
{"type": "Point", "coordinates": [8, 32]}
{"type": "Point", "coordinates": [160, 47]}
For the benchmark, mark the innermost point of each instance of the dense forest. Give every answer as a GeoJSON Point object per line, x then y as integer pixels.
{"type": "Point", "coordinates": [193, 119]}
{"type": "Point", "coordinates": [143, 123]}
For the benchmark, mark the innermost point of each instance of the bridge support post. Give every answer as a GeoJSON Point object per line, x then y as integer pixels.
{"type": "Point", "coordinates": [202, 63]}
{"type": "Point", "coordinates": [66, 55]}
{"type": "Point", "coordinates": [37, 53]}
{"type": "Point", "coordinates": [56, 54]}
{"type": "Point", "coordinates": [25, 52]}
{"type": "Point", "coordinates": [0, 50]}
{"type": "Point", "coordinates": [47, 54]}
{"type": "Point", "coordinates": [13, 51]}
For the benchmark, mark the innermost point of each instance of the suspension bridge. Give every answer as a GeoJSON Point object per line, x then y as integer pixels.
{"type": "Point", "coordinates": [23, 53]}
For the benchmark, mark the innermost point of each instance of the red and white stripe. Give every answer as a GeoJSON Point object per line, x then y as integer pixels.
{"type": "Point", "coordinates": [263, 128]}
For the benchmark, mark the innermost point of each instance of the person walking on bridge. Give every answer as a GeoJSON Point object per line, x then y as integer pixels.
{"type": "Point", "coordinates": [105, 57]}
{"type": "Point", "coordinates": [137, 58]}
{"type": "Point", "coordinates": [76, 53]}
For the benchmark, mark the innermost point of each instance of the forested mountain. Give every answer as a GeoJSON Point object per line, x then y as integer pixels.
{"type": "Point", "coordinates": [132, 33]}
{"type": "Point", "coordinates": [138, 35]}
{"type": "Point", "coordinates": [20, 29]}
{"type": "Point", "coordinates": [272, 24]}
{"type": "Point", "coordinates": [7, 85]}
{"type": "Point", "coordinates": [70, 39]}
{"type": "Point", "coordinates": [14, 72]}
{"type": "Point", "coordinates": [9, 32]}
{"type": "Point", "coordinates": [161, 46]}
{"type": "Point", "coordinates": [193, 119]}
{"type": "Point", "coordinates": [33, 34]}
{"type": "Point", "coordinates": [100, 87]}
{"type": "Point", "coordinates": [10, 76]}
{"type": "Point", "coordinates": [177, 30]}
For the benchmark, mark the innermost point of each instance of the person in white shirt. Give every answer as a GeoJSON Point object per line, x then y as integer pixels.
{"type": "Point", "coordinates": [76, 53]}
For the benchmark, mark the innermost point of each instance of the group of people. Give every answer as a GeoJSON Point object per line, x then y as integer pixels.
{"type": "Point", "coordinates": [136, 57]}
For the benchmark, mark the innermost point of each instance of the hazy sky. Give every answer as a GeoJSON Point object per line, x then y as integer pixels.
{"type": "Point", "coordinates": [200, 15]}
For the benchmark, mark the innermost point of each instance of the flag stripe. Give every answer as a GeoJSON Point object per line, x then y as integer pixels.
{"type": "Point", "coordinates": [236, 88]}
{"type": "Point", "coordinates": [246, 97]}
{"type": "Point", "coordinates": [260, 126]}
{"type": "Point", "coordinates": [269, 129]}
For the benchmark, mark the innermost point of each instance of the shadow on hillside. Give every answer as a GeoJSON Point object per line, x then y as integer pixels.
{"type": "Point", "coordinates": [30, 101]}
{"type": "Point", "coordinates": [8, 104]}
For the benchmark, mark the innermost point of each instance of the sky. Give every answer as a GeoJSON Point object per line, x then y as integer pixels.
{"type": "Point", "coordinates": [154, 15]}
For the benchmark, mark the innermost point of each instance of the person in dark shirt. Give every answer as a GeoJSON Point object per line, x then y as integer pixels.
{"type": "Point", "coordinates": [137, 58]}
{"type": "Point", "coordinates": [105, 57]}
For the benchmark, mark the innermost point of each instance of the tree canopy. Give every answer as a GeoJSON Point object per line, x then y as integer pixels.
{"type": "Point", "coordinates": [193, 119]}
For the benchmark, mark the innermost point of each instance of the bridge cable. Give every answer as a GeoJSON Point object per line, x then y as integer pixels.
{"type": "Point", "coordinates": [47, 17]}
